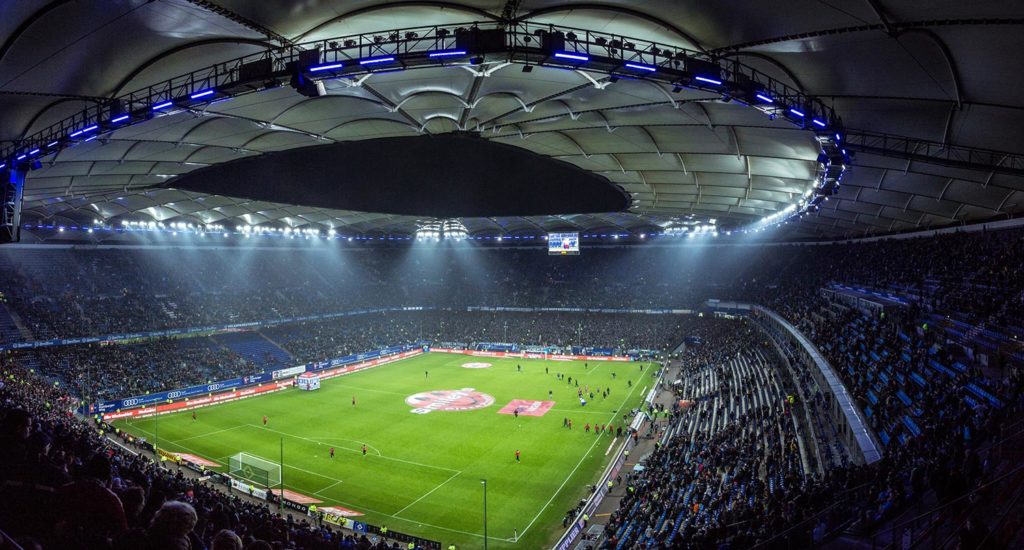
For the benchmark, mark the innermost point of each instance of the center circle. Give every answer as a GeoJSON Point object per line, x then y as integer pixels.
{"type": "Point", "coordinates": [466, 399]}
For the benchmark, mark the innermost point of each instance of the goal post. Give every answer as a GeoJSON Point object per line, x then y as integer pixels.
{"type": "Point", "coordinates": [255, 469]}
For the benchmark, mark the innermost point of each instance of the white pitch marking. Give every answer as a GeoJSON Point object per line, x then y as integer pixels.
{"type": "Point", "coordinates": [610, 445]}
{"type": "Point", "coordinates": [328, 487]}
{"type": "Point", "coordinates": [573, 472]}
{"type": "Point", "coordinates": [200, 436]}
{"type": "Point", "coordinates": [378, 456]}
{"type": "Point", "coordinates": [426, 495]}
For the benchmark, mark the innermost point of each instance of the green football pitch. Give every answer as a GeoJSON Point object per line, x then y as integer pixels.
{"type": "Point", "coordinates": [422, 471]}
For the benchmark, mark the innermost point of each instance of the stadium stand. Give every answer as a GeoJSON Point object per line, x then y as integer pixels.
{"type": "Point", "coordinates": [752, 457]}
{"type": "Point", "coordinates": [254, 348]}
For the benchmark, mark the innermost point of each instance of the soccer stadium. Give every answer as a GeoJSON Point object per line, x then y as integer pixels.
{"type": "Point", "coordinates": [511, 275]}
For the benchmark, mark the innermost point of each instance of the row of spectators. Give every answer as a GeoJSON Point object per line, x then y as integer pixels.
{"type": "Point", "coordinates": [65, 293]}
{"type": "Point", "coordinates": [935, 412]}
{"type": "Point", "coordinates": [735, 459]}
{"type": "Point", "coordinates": [110, 371]}
{"type": "Point", "coordinates": [65, 487]}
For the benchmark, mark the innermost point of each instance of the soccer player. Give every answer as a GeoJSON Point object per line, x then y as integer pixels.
{"type": "Point", "coordinates": [364, 449]}
{"type": "Point", "coordinates": [613, 376]}
{"type": "Point", "coordinates": [519, 367]}
{"type": "Point", "coordinates": [264, 420]}
{"type": "Point", "coordinates": [426, 374]}
{"type": "Point", "coordinates": [515, 413]}
{"type": "Point", "coordinates": [583, 402]}
{"type": "Point", "coordinates": [193, 416]}
{"type": "Point", "coordinates": [353, 401]}
{"type": "Point", "coordinates": [550, 394]}
{"type": "Point", "coordinates": [332, 452]}
{"type": "Point", "coordinates": [545, 370]}
{"type": "Point", "coordinates": [517, 456]}
{"type": "Point", "coordinates": [586, 427]}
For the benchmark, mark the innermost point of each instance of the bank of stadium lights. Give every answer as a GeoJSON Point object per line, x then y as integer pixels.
{"type": "Point", "coordinates": [454, 229]}
{"type": "Point", "coordinates": [436, 230]}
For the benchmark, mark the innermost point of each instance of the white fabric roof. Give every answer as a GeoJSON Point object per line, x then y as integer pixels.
{"type": "Point", "coordinates": [945, 72]}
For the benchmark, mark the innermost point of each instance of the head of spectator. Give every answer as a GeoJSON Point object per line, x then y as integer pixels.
{"type": "Point", "coordinates": [226, 539]}
{"type": "Point", "coordinates": [171, 526]}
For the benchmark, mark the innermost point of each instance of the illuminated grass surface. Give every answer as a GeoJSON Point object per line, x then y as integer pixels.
{"type": "Point", "coordinates": [422, 472]}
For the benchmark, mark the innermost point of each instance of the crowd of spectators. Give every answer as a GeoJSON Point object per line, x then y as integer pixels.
{"type": "Point", "coordinates": [66, 487]}
{"type": "Point", "coordinates": [735, 460]}
{"type": "Point", "coordinates": [713, 483]}
{"type": "Point", "coordinates": [726, 476]}
{"type": "Point", "coordinates": [67, 293]}
{"type": "Point", "coordinates": [103, 371]}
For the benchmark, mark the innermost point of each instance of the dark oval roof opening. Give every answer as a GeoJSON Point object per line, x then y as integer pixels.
{"type": "Point", "coordinates": [447, 175]}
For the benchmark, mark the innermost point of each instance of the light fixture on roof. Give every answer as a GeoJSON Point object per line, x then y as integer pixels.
{"type": "Point", "coordinates": [641, 67]}
{"type": "Point", "coordinates": [325, 67]}
{"type": "Point", "coordinates": [447, 53]}
{"type": "Point", "coordinates": [376, 60]}
{"type": "Point", "coordinates": [708, 80]}
{"type": "Point", "coordinates": [572, 56]}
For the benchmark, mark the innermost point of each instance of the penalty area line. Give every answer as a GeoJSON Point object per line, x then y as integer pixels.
{"type": "Point", "coordinates": [328, 487]}
{"type": "Point", "coordinates": [355, 506]}
{"type": "Point", "coordinates": [318, 441]}
{"type": "Point", "coordinates": [379, 455]}
{"type": "Point", "coordinates": [442, 484]}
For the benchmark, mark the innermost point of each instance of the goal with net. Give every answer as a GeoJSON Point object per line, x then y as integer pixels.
{"type": "Point", "coordinates": [255, 469]}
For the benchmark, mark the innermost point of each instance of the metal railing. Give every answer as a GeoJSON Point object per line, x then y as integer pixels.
{"type": "Point", "coordinates": [522, 42]}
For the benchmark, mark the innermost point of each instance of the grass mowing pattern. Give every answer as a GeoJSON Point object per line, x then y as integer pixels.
{"type": "Point", "coordinates": [421, 474]}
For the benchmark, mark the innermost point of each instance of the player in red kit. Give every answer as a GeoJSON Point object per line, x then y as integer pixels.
{"type": "Point", "coordinates": [332, 452]}
{"type": "Point", "coordinates": [264, 420]}
{"type": "Point", "coordinates": [517, 455]}
{"type": "Point", "coordinates": [364, 449]}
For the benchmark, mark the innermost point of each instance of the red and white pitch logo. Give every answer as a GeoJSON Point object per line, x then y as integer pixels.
{"type": "Point", "coordinates": [476, 365]}
{"type": "Point", "coordinates": [466, 399]}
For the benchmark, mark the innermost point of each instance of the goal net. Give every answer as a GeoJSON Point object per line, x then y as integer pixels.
{"type": "Point", "coordinates": [255, 469]}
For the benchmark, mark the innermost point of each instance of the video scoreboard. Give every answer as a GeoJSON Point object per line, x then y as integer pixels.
{"type": "Point", "coordinates": [563, 244]}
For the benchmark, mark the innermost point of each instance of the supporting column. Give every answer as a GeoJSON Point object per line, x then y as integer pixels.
{"type": "Point", "coordinates": [12, 184]}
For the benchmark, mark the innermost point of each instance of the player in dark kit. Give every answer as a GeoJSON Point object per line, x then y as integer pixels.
{"type": "Point", "coordinates": [264, 420]}
{"type": "Point", "coordinates": [193, 416]}
{"type": "Point", "coordinates": [515, 413]}
{"type": "Point", "coordinates": [332, 452]}
{"type": "Point", "coordinates": [364, 449]}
